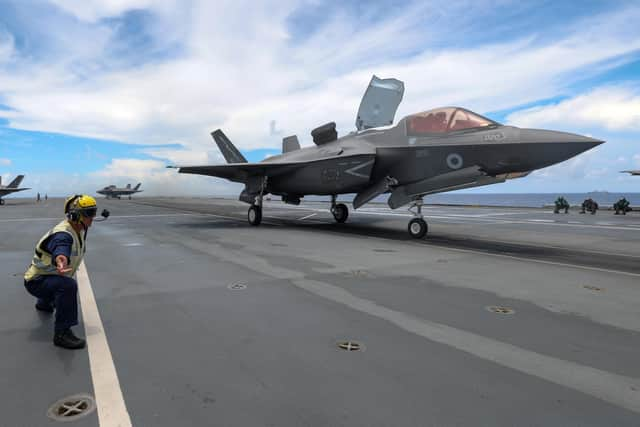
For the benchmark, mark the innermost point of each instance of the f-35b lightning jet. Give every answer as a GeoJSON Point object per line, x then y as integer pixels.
{"type": "Point", "coordinates": [425, 153]}
{"type": "Point", "coordinates": [113, 192]}
{"type": "Point", "coordinates": [11, 188]}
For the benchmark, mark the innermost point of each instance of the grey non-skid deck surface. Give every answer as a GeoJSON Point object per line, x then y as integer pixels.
{"type": "Point", "coordinates": [189, 350]}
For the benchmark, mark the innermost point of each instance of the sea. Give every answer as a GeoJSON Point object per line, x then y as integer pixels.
{"type": "Point", "coordinates": [604, 199]}
{"type": "Point", "coordinates": [531, 200]}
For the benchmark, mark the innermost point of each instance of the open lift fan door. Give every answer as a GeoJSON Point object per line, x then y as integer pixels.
{"type": "Point", "coordinates": [379, 103]}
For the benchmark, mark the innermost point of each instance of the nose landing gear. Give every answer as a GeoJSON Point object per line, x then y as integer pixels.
{"type": "Point", "coordinates": [418, 227]}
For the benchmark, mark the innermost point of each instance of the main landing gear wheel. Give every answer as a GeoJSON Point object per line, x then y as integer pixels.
{"type": "Point", "coordinates": [254, 215]}
{"type": "Point", "coordinates": [340, 212]}
{"type": "Point", "coordinates": [129, 197]}
{"type": "Point", "coordinates": [1, 202]}
{"type": "Point", "coordinates": [418, 228]}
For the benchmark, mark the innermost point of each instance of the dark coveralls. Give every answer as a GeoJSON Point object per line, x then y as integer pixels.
{"type": "Point", "coordinates": [57, 289]}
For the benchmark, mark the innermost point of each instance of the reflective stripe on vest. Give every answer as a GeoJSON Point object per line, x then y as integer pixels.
{"type": "Point", "coordinates": [42, 263]}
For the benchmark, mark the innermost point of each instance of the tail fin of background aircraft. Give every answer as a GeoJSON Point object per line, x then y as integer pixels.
{"type": "Point", "coordinates": [137, 186]}
{"type": "Point", "coordinates": [16, 182]}
{"type": "Point", "coordinates": [128, 186]}
{"type": "Point", "coordinates": [229, 151]}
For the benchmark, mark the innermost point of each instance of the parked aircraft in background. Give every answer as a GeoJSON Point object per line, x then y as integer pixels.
{"type": "Point", "coordinates": [425, 153]}
{"type": "Point", "coordinates": [637, 172]}
{"type": "Point", "coordinates": [11, 188]}
{"type": "Point", "coordinates": [113, 192]}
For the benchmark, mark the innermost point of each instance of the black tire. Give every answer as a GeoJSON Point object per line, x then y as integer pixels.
{"type": "Point", "coordinates": [340, 212]}
{"type": "Point", "coordinates": [1, 202]}
{"type": "Point", "coordinates": [418, 228]}
{"type": "Point", "coordinates": [129, 197]}
{"type": "Point", "coordinates": [254, 215]}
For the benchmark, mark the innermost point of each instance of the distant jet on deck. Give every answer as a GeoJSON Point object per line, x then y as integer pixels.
{"type": "Point", "coordinates": [636, 172]}
{"type": "Point", "coordinates": [113, 192]}
{"type": "Point", "coordinates": [11, 188]}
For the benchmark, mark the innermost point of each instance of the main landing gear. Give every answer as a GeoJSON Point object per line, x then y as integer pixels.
{"type": "Point", "coordinates": [254, 214]}
{"type": "Point", "coordinates": [340, 211]}
{"type": "Point", "coordinates": [1, 202]}
{"type": "Point", "coordinates": [417, 226]}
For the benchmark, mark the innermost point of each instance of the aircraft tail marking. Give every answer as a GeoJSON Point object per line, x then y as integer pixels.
{"type": "Point", "coordinates": [16, 182]}
{"type": "Point", "coordinates": [229, 151]}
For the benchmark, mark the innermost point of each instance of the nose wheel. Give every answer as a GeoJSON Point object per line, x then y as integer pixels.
{"type": "Point", "coordinates": [418, 227]}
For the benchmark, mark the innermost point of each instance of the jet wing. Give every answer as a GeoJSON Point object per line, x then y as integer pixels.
{"type": "Point", "coordinates": [379, 103]}
{"type": "Point", "coordinates": [240, 172]}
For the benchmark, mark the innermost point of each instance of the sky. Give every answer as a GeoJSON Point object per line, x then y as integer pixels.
{"type": "Point", "coordinates": [100, 92]}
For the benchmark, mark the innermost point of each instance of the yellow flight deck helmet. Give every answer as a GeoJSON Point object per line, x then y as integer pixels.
{"type": "Point", "coordinates": [80, 205]}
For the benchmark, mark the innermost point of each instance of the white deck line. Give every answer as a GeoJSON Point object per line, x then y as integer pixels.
{"type": "Point", "coordinates": [112, 411]}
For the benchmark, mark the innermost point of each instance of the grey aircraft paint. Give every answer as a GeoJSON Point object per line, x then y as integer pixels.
{"type": "Point", "coordinates": [113, 192]}
{"type": "Point", "coordinates": [425, 153]}
{"type": "Point", "coordinates": [13, 187]}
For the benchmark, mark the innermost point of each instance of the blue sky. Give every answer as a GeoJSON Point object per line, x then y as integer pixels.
{"type": "Point", "coordinates": [98, 92]}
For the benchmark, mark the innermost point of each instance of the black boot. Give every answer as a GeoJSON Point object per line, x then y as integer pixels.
{"type": "Point", "coordinates": [66, 339]}
{"type": "Point", "coordinates": [43, 306]}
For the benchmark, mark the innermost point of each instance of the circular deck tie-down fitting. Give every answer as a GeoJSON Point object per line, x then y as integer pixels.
{"type": "Point", "coordinates": [72, 408]}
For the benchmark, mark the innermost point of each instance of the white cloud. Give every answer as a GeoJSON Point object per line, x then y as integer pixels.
{"type": "Point", "coordinates": [157, 180]}
{"type": "Point", "coordinates": [7, 46]}
{"type": "Point", "coordinates": [241, 79]}
{"type": "Point", "coordinates": [5, 162]}
{"type": "Point", "coordinates": [614, 108]}
{"type": "Point", "coordinates": [93, 10]}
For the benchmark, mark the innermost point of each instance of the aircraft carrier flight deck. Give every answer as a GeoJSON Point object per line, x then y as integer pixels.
{"type": "Point", "coordinates": [499, 317]}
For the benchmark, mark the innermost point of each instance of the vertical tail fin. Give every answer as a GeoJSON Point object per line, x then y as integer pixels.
{"type": "Point", "coordinates": [16, 182]}
{"type": "Point", "coordinates": [290, 143]}
{"type": "Point", "coordinates": [128, 186]}
{"type": "Point", "coordinates": [137, 186]}
{"type": "Point", "coordinates": [229, 151]}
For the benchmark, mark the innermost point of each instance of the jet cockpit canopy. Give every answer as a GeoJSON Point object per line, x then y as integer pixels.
{"type": "Point", "coordinates": [443, 120]}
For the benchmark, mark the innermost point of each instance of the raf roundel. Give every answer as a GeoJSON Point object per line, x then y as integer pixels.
{"type": "Point", "coordinates": [454, 161]}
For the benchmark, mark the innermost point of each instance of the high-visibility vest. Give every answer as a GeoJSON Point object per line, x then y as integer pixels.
{"type": "Point", "coordinates": [42, 263]}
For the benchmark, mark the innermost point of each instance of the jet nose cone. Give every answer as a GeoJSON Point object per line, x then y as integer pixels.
{"type": "Point", "coordinates": [555, 146]}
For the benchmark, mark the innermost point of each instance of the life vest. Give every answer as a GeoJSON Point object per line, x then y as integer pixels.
{"type": "Point", "coordinates": [42, 263]}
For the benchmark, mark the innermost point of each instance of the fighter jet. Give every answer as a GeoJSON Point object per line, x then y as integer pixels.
{"type": "Point", "coordinates": [439, 150]}
{"type": "Point", "coordinates": [637, 172]}
{"type": "Point", "coordinates": [113, 192]}
{"type": "Point", "coordinates": [11, 188]}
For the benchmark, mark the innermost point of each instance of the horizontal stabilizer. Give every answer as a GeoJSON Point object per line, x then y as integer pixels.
{"type": "Point", "coordinates": [16, 182]}
{"type": "Point", "coordinates": [290, 143]}
{"type": "Point", "coordinates": [229, 151]}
